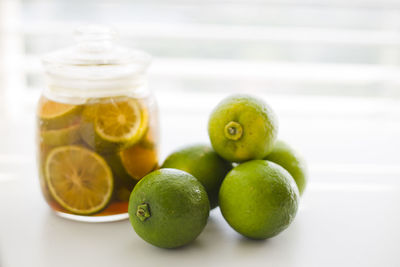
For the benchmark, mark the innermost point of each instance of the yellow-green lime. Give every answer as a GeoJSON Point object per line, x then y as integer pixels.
{"type": "Point", "coordinates": [203, 163]}
{"type": "Point", "coordinates": [78, 179]}
{"type": "Point", "coordinates": [168, 208]}
{"type": "Point", "coordinates": [292, 161]}
{"type": "Point", "coordinates": [259, 199]}
{"type": "Point", "coordinates": [242, 128]}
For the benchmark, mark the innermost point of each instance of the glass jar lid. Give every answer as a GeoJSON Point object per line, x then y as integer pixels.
{"type": "Point", "coordinates": [96, 65]}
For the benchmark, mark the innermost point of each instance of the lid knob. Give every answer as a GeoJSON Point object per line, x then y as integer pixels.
{"type": "Point", "coordinates": [95, 38]}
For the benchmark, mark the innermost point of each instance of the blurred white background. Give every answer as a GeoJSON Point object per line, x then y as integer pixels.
{"type": "Point", "coordinates": [302, 47]}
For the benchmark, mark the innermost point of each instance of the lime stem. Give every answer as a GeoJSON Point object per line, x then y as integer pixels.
{"type": "Point", "coordinates": [143, 212]}
{"type": "Point", "coordinates": [233, 130]}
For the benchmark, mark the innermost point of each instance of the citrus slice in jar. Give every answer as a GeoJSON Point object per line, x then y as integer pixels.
{"type": "Point", "coordinates": [58, 137]}
{"type": "Point", "coordinates": [123, 182]}
{"type": "Point", "coordinates": [139, 161]}
{"type": "Point", "coordinates": [130, 165]}
{"type": "Point", "coordinates": [113, 125]}
{"type": "Point", "coordinates": [79, 179]}
{"type": "Point", "coordinates": [121, 122]}
{"type": "Point", "coordinates": [55, 115]}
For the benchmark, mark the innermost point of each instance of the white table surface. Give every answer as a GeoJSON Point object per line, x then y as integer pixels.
{"type": "Point", "coordinates": [349, 215]}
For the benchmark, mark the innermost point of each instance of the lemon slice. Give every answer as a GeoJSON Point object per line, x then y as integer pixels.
{"type": "Point", "coordinates": [55, 115]}
{"type": "Point", "coordinates": [59, 137]}
{"type": "Point", "coordinates": [109, 127]}
{"type": "Point", "coordinates": [79, 179]}
{"type": "Point", "coordinates": [121, 122]}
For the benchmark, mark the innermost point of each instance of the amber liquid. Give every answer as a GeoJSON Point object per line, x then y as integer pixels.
{"type": "Point", "coordinates": [140, 158]}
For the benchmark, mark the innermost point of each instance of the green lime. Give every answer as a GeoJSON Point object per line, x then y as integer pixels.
{"type": "Point", "coordinates": [259, 199]}
{"type": "Point", "coordinates": [242, 128]}
{"type": "Point", "coordinates": [291, 161]}
{"type": "Point", "coordinates": [55, 115]}
{"type": "Point", "coordinates": [205, 164]}
{"type": "Point", "coordinates": [78, 179]}
{"type": "Point", "coordinates": [168, 208]}
{"type": "Point", "coordinates": [113, 124]}
{"type": "Point", "coordinates": [58, 137]}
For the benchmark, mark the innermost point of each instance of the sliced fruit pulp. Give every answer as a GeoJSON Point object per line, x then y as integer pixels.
{"type": "Point", "coordinates": [55, 115]}
{"type": "Point", "coordinates": [139, 160]}
{"type": "Point", "coordinates": [78, 179]}
{"type": "Point", "coordinates": [119, 121]}
{"type": "Point", "coordinates": [59, 137]}
{"type": "Point", "coordinates": [113, 124]}
{"type": "Point", "coordinates": [146, 132]}
{"type": "Point", "coordinates": [50, 109]}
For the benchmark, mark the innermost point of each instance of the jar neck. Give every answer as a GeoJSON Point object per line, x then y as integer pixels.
{"type": "Point", "coordinates": [78, 91]}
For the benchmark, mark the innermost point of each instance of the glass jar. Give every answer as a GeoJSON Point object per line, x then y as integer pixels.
{"type": "Point", "coordinates": [97, 127]}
